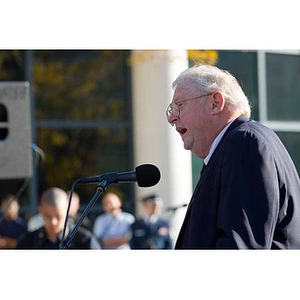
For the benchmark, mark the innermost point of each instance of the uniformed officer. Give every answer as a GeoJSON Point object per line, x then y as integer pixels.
{"type": "Point", "coordinates": [151, 231]}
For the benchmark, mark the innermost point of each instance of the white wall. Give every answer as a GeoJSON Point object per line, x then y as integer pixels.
{"type": "Point", "coordinates": [155, 141]}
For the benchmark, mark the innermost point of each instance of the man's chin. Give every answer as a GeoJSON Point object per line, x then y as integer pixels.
{"type": "Point", "coordinates": [186, 146]}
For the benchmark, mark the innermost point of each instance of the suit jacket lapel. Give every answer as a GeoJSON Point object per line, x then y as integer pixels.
{"type": "Point", "coordinates": [184, 224]}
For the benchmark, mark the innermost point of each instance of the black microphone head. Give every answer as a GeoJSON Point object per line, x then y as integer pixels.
{"type": "Point", "coordinates": [147, 175]}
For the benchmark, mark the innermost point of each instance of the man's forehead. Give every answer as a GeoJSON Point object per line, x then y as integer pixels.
{"type": "Point", "coordinates": [182, 93]}
{"type": "Point", "coordinates": [50, 208]}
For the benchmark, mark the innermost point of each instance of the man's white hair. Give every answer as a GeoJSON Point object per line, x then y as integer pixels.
{"type": "Point", "coordinates": [205, 79]}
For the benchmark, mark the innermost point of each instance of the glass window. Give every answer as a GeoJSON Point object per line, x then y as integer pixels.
{"type": "Point", "coordinates": [283, 86]}
{"type": "Point", "coordinates": [279, 86]}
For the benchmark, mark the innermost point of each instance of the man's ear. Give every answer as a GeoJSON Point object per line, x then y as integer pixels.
{"type": "Point", "coordinates": [218, 102]}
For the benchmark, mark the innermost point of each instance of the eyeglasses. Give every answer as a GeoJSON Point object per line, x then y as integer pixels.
{"type": "Point", "coordinates": [174, 108]}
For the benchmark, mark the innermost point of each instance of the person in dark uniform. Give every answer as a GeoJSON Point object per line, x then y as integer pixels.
{"type": "Point", "coordinates": [53, 207]}
{"type": "Point", "coordinates": [151, 231]}
{"type": "Point", "coordinates": [12, 226]}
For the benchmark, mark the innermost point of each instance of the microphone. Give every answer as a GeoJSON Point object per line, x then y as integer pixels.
{"type": "Point", "coordinates": [145, 175]}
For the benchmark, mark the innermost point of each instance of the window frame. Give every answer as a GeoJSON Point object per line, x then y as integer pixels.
{"type": "Point", "coordinates": [282, 126]}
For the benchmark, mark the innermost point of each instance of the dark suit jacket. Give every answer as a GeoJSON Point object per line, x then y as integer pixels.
{"type": "Point", "coordinates": [248, 196]}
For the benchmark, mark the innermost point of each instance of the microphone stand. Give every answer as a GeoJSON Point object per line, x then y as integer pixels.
{"type": "Point", "coordinates": [66, 243]}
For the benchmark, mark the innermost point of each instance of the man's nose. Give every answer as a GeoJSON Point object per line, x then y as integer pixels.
{"type": "Point", "coordinates": [171, 119]}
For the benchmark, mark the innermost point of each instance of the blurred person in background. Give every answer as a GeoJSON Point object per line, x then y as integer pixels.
{"type": "Point", "coordinates": [151, 231]}
{"type": "Point", "coordinates": [74, 215]}
{"type": "Point", "coordinates": [12, 226]}
{"type": "Point", "coordinates": [112, 227]}
{"type": "Point", "coordinates": [35, 222]}
{"type": "Point", "coordinates": [53, 208]}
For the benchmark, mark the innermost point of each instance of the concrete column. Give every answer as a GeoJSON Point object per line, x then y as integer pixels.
{"type": "Point", "coordinates": [155, 141]}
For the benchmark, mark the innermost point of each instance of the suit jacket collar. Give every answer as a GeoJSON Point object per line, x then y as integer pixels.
{"type": "Point", "coordinates": [237, 122]}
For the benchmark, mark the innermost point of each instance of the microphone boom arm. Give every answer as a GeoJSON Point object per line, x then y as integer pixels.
{"type": "Point", "coordinates": [109, 177]}
{"type": "Point", "coordinates": [66, 243]}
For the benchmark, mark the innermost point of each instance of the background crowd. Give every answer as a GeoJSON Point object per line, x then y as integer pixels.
{"type": "Point", "coordinates": [111, 229]}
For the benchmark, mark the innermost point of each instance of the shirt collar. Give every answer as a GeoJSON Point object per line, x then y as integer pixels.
{"type": "Point", "coordinates": [216, 143]}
